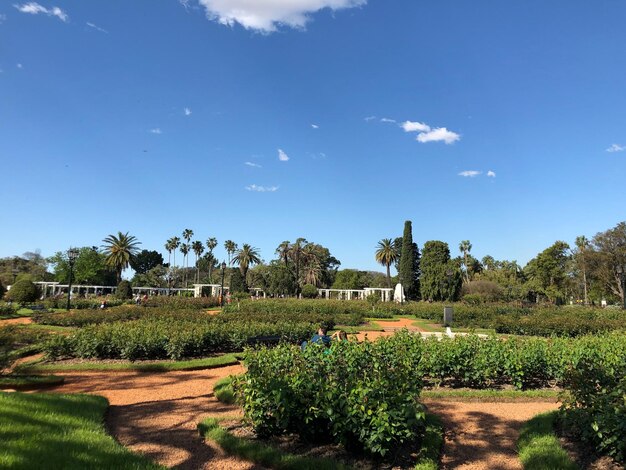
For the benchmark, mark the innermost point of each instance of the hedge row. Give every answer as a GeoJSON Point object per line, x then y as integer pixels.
{"type": "Point", "coordinates": [365, 394]}
{"type": "Point", "coordinates": [162, 338]}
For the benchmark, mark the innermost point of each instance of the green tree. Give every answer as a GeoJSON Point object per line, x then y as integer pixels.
{"type": "Point", "coordinates": [440, 277]}
{"type": "Point", "coordinates": [386, 254]}
{"type": "Point", "coordinates": [145, 260]}
{"type": "Point", "coordinates": [23, 292]}
{"type": "Point", "coordinates": [119, 251]}
{"type": "Point", "coordinates": [409, 264]}
{"type": "Point", "coordinates": [309, 291]}
{"type": "Point", "coordinates": [155, 277]}
{"type": "Point", "coordinates": [89, 267]}
{"type": "Point", "coordinates": [547, 273]}
{"type": "Point", "coordinates": [198, 249]}
{"type": "Point", "coordinates": [247, 256]}
{"type": "Point", "coordinates": [609, 252]}
{"type": "Point", "coordinates": [124, 290]}
{"type": "Point", "coordinates": [237, 282]}
{"type": "Point", "coordinates": [352, 279]}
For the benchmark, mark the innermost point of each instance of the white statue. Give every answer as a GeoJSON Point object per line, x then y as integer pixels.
{"type": "Point", "coordinates": [398, 294]}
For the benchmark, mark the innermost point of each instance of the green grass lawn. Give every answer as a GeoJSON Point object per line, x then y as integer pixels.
{"type": "Point", "coordinates": [60, 431]}
{"type": "Point", "coordinates": [28, 382]}
{"type": "Point", "coordinates": [164, 366]}
{"type": "Point", "coordinates": [539, 448]}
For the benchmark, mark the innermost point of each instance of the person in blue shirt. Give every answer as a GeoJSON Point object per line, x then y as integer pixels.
{"type": "Point", "coordinates": [321, 337]}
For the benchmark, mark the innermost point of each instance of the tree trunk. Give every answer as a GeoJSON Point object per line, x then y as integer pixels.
{"type": "Point", "coordinates": [388, 277]}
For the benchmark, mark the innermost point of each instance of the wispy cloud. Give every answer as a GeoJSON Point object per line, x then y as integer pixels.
{"type": "Point", "coordinates": [96, 27]}
{"type": "Point", "coordinates": [35, 8]}
{"type": "Point", "coordinates": [254, 165]}
{"type": "Point", "coordinates": [491, 174]}
{"type": "Point", "coordinates": [369, 118]}
{"type": "Point", "coordinates": [387, 120]}
{"type": "Point", "coordinates": [438, 135]}
{"type": "Point", "coordinates": [282, 156]}
{"type": "Point", "coordinates": [3, 18]}
{"type": "Point", "coordinates": [469, 173]}
{"type": "Point", "coordinates": [410, 126]}
{"type": "Point", "coordinates": [315, 126]}
{"type": "Point", "coordinates": [187, 111]}
{"type": "Point", "coordinates": [262, 189]}
{"type": "Point", "coordinates": [19, 66]}
{"type": "Point", "coordinates": [616, 148]}
{"type": "Point", "coordinates": [156, 130]}
{"type": "Point", "coordinates": [266, 15]}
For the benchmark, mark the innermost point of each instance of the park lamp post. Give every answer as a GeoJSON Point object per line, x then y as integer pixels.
{"type": "Point", "coordinates": [72, 254]}
{"type": "Point", "coordinates": [621, 271]}
{"type": "Point", "coordinates": [222, 285]}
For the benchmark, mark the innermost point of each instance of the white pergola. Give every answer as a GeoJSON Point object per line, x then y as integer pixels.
{"type": "Point", "coordinates": [386, 294]}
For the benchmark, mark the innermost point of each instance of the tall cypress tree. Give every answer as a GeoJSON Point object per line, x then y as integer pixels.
{"type": "Point", "coordinates": [407, 272]}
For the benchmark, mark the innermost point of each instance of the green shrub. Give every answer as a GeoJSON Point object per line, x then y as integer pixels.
{"type": "Point", "coordinates": [363, 395]}
{"type": "Point", "coordinates": [23, 291]}
{"type": "Point", "coordinates": [90, 317]}
{"type": "Point", "coordinates": [2, 290]}
{"type": "Point", "coordinates": [309, 291]}
{"type": "Point", "coordinates": [124, 291]}
{"type": "Point", "coordinates": [596, 406]}
{"type": "Point", "coordinates": [80, 304]}
{"type": "Point", "coordinates": [6, 309]}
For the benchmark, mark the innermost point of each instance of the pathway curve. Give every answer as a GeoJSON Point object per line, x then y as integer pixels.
{"type": "Point", "coordinates": [16, 321]}
{"type": "Point", "coordinates": [156, 414]}
{"type": "Point", "coordinates": [483, 436]}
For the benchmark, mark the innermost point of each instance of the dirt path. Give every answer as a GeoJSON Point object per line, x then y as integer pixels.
{"type": "Point", "coordinates": [16, 321]}
{"type": "Point", "coordinates": [483, 436]}
{"type": "Point", "coordinates": [389, 327]}
{"type": "Point", "coordinates": [157, 414]}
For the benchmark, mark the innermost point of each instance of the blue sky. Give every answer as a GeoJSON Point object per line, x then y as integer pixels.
{"type": "Point", "coordinates": [152, 117]}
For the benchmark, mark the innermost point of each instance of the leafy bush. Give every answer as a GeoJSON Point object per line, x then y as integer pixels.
{"type": "Point", "coordinates": [124, 291]}
{"type": "Point", "coordinates": [182, 303]}
{"type": "Point", "coordinates": [185, 335]}
{"type": "Point", "coordinates": [363, 395]}
{"type": "Point", "coordinates": [485, 291]}
{"type": "Point", "coordinates": [596, 406]}
{"type": "Point", "coordinates": [89, 317]}
{"type": "Point", "coordinates": [80, 304]}
{"type": "Point", "coordinates": [309, 291]}
{"type": "Point", "coordinates": [6, 309]}
{"type": "Point", "coordinates": [23, 291]}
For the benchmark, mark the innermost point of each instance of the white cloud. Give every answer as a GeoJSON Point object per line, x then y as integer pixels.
{"type": "Point", "coordinates": [491, 174]}
{"type": "Point", "coordinates": [19, 66]}
{"type": "Point", "coordinates": [282, 156]}
{"type": "Point", "coordinates": [3, 18]}
{"type": "Point", "coordinates": [410, 126]}
{"type": "Point", "coordinates": [156, 130]}
{"type": "Point", "coordinates": [35, 8]}
{"type": "Point", "coordinates": [315, 126]}
{"type": "Point", "coordinates": [254, 165]}
{"type": "Point", "coordinates": [387, 120]}
{"type": "Point", "coordinates": [369, 118]}
{"type": "Point", "coordinates": [470, 173]}
{"type": "Point", "coordinates": [616, 148]}
{"type": "Point", "coordinates": [266, 15]}
{"type": "Point", "coordinates": [96, 27]}
{"type": "Point", "coordinates": [187, 112]}
{"type": "Point", "coordinates": [437, 135]}
{"type": "Point", "coordinates": [262, 189]}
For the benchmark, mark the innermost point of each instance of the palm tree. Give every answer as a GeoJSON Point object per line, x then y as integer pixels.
{"type": "Point", "coordinates": [582, 243]}
{"type": "Point", "coordinates": [184, 249]}
{"type": "Point", "coordinates": [230, 247]}
{"type": "Point", "coordinates": [387, 254]}
{"type": "Point", "coordinates": [283, 251]}
{"type": "Point", "coordinates": [465, 247]}
{"type": "Point", "coordinates": [120, 250]}
{"type": "Point", "coordinates": [187, 234]}
{"type": "Point", "coordinates": [211, 243]}
{"type": "Point", "coordinates": [169, 248]}
{"type": "Point", "coordinates": [175, 244]}
{"type": "Point", "coordinates": [246, 257]}
{"type": "Point", "coordinates": [198, 249]}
